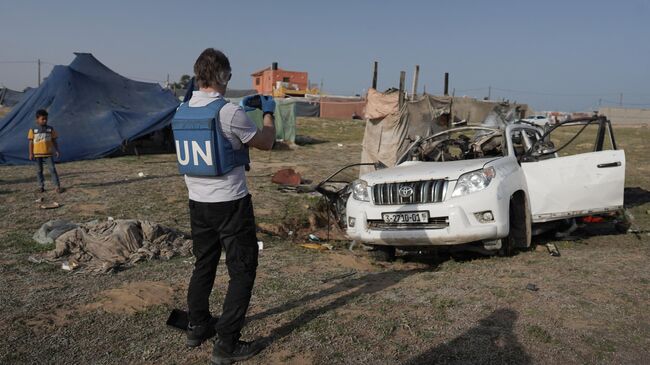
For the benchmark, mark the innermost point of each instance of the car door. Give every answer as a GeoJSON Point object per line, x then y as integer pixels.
{"type": "Point", "coordinates": [575, 185]}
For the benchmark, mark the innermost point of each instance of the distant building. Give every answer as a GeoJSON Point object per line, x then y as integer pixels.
{"type": "Point", "coordinates": [272, 78]}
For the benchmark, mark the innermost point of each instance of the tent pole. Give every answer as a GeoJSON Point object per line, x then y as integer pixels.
{"type": "Point", "coordinates": [402, 77]}
{"type": "Point", "coordinates": [414, 89]}
{"type": "Point", "coordinates": [446, 83]}
{"type": "Point", "coordinates": [374, 75]}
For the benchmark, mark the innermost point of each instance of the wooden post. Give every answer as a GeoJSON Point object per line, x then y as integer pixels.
{"type": "Point", "coordinates": [414, 89]}
{"type": "Point", "coordinates": [402, 77]}
{"type": "Point", "coordinates": [374, 75]}
{"type": "Point", "coordinates": [446, 83]}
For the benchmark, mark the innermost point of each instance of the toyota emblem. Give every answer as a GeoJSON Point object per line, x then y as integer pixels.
{"type": "Point", "coordinates": [405, 191]}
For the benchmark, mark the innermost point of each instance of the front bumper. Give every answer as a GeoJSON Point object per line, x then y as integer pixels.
{"type": "Point", "coordinates": [462, 224]}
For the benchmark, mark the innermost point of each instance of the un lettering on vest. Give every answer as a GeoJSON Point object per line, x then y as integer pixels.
{"type": "Point", "coordinates": [197, 151]}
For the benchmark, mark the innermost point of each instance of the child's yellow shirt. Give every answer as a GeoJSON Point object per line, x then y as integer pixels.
{"type": "Point", "coordinates": [42, 137]}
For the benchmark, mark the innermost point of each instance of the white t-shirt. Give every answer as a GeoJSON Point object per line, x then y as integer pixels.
{"type": "Point", "coordinates": [238, 129]}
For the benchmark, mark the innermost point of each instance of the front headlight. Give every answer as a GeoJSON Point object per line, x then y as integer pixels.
{"type": "Point", "coordinates": [360, 190]}
{"type": "Point", "coordinates": [474, 181]}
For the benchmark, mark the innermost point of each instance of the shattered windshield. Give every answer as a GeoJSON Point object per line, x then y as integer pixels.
{"type": "Point", "coordinates": [458, 144]}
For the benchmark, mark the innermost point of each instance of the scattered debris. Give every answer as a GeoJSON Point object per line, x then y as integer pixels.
{"type": "Point", "coordinates": [113, 244]}
{"type": "Point", "coordinates": [286, 177]}
{"type": "Point", "coordinates": [314, 246]}
{"type": "Point", "coordinates": [313, 238]}
{"type": "Point", "coordinates": [301, 189]}
{"type": "Point", "coordinates": [305, 140]}
{"type": "Point", "coordinates": [532, 287]}
{"type": "Point", "coordinates": [552, 249]}
{"type": "Point", "coordinates": [141, 174]}
{"type": "Point", "coordinates": [69, 266]}
{"type": "Point", "coordinates": [52, 205]}
{"type": "Point", "coordinates": [39, 200]}
{"type": "Point", "coordinates": [340, 144]}
{"type": "Point", "coordinates": [51, 230]}
{"type": "Point", "coordinates": [260, 245]}
{"type": "Point", "coordinates": [273, 229]}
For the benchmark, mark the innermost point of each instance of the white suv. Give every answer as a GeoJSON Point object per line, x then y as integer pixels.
{"type": "Point", "coordinates": [486, 186]}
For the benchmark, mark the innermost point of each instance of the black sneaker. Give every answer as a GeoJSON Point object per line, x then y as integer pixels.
{"type": "Point", "coordinates": [196, 335]}
{"type": "Point", "coordinates": [241, 351]}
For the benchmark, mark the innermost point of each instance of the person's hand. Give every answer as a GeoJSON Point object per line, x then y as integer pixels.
{"type": "Point", "coordinates": [244, 101]}
{"type": "Point", "coordinates": [268, 104]}
{"type": "Point", "coordinates": [31, 156]}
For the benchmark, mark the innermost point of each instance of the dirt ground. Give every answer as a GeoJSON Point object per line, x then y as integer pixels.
{"type": "Point", "coordinates": [321, 307]}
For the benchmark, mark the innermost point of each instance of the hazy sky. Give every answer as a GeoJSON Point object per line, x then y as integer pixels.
{"type": "Point", "coordinates": [562, 55]}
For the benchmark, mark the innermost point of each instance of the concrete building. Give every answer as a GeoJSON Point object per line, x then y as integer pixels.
{"type": "Point", "coordinates": [266, 80]}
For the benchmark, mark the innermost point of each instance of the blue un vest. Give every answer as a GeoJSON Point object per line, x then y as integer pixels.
{"type": "Point", "coordinates": [201, 147]}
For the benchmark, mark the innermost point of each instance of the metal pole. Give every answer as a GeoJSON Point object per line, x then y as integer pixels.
{"type": "Point", "coordinates": [402, 77]}
{"type": "Point", "coordinates": [620, 100]}
{"type": "Point", "coordinates": [414, 89]}
{"type": "Point", "coordinates": [489, 91]}
{"type": "Point", "coordinates": [374, 75]}
{"type": "Point", "coordinates": [39, 72]}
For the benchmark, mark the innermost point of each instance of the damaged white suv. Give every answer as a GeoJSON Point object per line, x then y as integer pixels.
{"type": "Point", "coordinates": [485, 188]}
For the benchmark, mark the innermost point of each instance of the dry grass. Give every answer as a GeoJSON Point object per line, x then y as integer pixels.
{"type": "Point", "coordinates": [591, 306]}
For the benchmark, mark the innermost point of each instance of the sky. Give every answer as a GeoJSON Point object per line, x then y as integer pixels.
{"type": "Point", "coordinates": [553, 55]}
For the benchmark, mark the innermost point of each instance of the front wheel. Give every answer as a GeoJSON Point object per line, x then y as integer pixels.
{"type": "Point", "coordinates": [520, 232]}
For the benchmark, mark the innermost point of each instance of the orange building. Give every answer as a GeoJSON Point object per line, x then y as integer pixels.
{"type": "Point", "coordinates": [266, 81]}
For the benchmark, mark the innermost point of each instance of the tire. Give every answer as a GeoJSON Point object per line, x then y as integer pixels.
{"type": "Point", "coordinates": [383, 253]}
{"type": "Point", "coordinates": [520, 230]}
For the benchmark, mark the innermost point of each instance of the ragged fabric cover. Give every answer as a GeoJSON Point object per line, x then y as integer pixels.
{"type": "Point", "coordinates": [385, 140]}
{"type": "Point", "coordinates": [109, 245]}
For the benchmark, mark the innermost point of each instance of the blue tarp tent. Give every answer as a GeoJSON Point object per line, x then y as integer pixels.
{"type": "Point", "coordinates": [93, 109]}
{"type": "Point", "coordinates": [10, 97]}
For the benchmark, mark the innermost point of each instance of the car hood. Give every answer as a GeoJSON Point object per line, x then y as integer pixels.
{"type": "Point", "coordinates": [418, 171]}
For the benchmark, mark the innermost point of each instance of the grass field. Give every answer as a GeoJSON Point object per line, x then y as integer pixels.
{"type": "Point", "coordinates": [591, 306]}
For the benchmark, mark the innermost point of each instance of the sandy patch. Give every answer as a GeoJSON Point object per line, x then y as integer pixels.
{"type": "Point", "coordinates": [133, 297]}
{"type": "Point", "coordinates": [351, 261]}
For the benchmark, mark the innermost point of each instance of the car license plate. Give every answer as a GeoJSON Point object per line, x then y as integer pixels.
{"type": "Point", "coordinates": [406, 217]}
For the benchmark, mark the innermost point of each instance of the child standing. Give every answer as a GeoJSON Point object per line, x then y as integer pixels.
{"type": "Point", "coordinates": [42, 145]}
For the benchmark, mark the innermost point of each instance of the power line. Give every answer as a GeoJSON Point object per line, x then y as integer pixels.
{"type": "Point", "coordinates": [7, 62]}
{"type": "Point", "coordinates": [629, 104]}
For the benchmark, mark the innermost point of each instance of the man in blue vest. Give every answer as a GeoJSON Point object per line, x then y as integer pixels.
{"type": "Point", "coordinates": [221, 215]}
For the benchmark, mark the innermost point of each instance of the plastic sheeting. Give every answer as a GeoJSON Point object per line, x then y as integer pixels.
{"type": "Point", "coordinates": [386, 139]}
{"type": "Point", "coordinates": [93, 109]}
{"type": "Point", "coordinates": [306, 108]}
{"type": "Point", "coordinates": [285, 119]}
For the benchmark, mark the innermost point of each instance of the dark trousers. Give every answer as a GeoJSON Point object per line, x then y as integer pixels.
{"type": "Point", "coordinates": [39, 171]}
{"type": "Point", "coordinates": [231, 226]}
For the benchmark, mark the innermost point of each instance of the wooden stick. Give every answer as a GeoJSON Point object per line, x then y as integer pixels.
{"type": "Point", "coordinates": [402, 77]}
